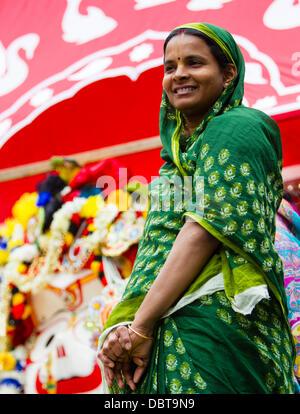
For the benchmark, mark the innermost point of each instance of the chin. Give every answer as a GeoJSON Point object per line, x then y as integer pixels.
{"type": "Point", "coordinates": [184, 106]}
{"type": "Point", "coordinates": [190, 110]}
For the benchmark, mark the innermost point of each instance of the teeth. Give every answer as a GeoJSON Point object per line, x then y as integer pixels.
{"type": "Point", "coordinates": [185, 89]}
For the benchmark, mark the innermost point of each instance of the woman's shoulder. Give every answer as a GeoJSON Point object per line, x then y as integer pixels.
{"type": "Point", "coordinates": [242, 126]}
{"type": "Point", "coordinates": [242, 117]}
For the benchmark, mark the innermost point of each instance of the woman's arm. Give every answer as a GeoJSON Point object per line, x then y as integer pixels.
{"type": "Point", "coordinates": [191, 250]}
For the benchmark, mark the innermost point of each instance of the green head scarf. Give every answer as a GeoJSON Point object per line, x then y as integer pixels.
{"type": "Point", "coordinates": [170, 119]}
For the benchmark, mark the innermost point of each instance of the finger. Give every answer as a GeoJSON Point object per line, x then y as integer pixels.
{"type": "Point", "coordinates": [138, 361]}
{"type": "Point", "coordinates": [105, 360]}
{"type": "Point", "coordinates": [109, 375]}
{"type": "Point", "coordinates": [126, 370]}
{"type": "Point", "coordinates": [112, 348]}
{"type": "Point", "coordinates": [137, 375]}
{"type": "Point", "coordinates": [118, 376]}
{"type": "Point", "coordinates": [124, 338]}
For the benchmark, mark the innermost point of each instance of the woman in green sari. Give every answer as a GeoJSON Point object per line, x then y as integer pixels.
{"type": "Point", "coordinates": [205, 310]}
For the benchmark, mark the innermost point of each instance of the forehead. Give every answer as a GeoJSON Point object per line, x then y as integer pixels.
{"type": "Point", "coordinates": [184, 45]}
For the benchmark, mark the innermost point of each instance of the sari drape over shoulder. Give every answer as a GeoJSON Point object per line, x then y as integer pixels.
{"type": "Point", "coordinates": [228, 179]}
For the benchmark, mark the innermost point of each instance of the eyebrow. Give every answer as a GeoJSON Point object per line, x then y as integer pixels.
{"type": "Point", "coordinates": [185, 58]}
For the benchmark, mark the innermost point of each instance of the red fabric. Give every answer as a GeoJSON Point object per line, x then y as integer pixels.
{"type": "Point", "coordinates": [102, 114]}
{"type": "Point", "coordinates": [18, 310]}
{"type": "Point", "coordinates": [76, 385]}
{"type": "Point", "coordinates": [21, 332]}
{"type": "Point", "coordinates": [290, 132]}
{"type": "Point", "coordinates": [108, 167]}
{"type": "Point", "coordinates": [145, 164]}
{"type": "Point", "coordinates": [50, 43]}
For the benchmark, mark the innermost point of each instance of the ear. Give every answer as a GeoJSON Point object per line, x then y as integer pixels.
{"type": "Point", "coordinates": [230, 72]}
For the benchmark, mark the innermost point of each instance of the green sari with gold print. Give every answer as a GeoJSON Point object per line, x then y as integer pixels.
{"type": "Point", "coordinates": [229, 332]}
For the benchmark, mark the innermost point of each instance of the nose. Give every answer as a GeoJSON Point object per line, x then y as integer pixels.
{"type": "Point", "coordinates": [180, 72]}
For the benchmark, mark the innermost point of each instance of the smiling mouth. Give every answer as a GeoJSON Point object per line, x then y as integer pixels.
{"type": "Point", "coordinates": [183, 90]}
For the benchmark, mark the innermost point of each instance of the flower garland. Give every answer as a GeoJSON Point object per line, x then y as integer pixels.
{"type": "Point", "coordinates": [43, 267]}
{"type": "Point", "coordinates": [12, 370]}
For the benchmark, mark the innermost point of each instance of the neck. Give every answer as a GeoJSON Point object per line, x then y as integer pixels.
{"type": "Point", "coordinates": [190, 124]}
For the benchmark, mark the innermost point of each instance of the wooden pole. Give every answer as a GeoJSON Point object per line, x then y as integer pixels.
{"type": "Point", "coordinates": [82, 158]}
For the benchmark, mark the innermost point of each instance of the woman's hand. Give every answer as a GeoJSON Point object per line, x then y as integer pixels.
{"type": "Point", "coordinates": [115, 346]}
{"type": "Point", "coordinates": [119, 350]}
{"type": "Point", "coordinates": [140, 354]}
{"type": "Point", "coordinates": [115, 358]}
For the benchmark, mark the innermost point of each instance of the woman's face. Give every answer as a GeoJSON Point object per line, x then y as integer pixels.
{"type": "Point", "coordinates": [193, 80]}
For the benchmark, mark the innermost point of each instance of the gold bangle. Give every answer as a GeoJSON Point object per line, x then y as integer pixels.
{"type": "Point", "coordinates": [139, 334]}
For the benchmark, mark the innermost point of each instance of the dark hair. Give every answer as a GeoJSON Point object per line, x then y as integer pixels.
{"type": "Point", "coordinates": [287, 196]}
{"type": "Point", "coordinates": [215, 49]}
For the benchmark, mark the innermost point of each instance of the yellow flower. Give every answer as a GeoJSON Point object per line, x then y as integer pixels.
{"type": "Point", "coordinates": [67, 174]}
{"type": "Point", "coordinates": [7, 228]}
{"type": "Point", "coordinates": [121, 198]}
{"type": "Point", "coordinates": [25, 208]}
{"type": "Point", "coordinates": [3, 257]}
{"type": "Point", "coordinates": [17, 298]}
{"type": "Point", "coordinates": [66, 168]}
{"type": "Point", "coordinates": [7, 361]}
{"type": "Point", "coordinates": [95, 266]}
{"type": "Point", "coordinates": [91, 227]}
{"type": "Point", "coordinates": [27, 312]}
{"type": "Point", "coordinates": [92, 206]}
{"type": "Point", "coordinates": [145, 212]}
{"type": "Point", "coordinates": [98, 251]}
{"type": "Point", "coordinates": [14, 243]}
{"type": "Point", "coordinates": [22, 268]}
{"type": "Point", "coordinates": [126, 267]}
{"type": "Point", "coordinates": [69, 238]}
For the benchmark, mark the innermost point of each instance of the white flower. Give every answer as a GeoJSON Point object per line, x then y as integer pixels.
{"type": "Point", "coordinates": [265, 245]}
{"type": "Point", "coordinates": [223, 156]}
{"type": "Point", "coordinates": [220, 194]}
{"type": "Point", "coordinates": [242, 208]}
{"type": "Point", "coordinates": [226, 210]}
{"type": "Point", "coordinates": [25, 253]}
{"type": "Point", "coordinates": [261, 189]}
{"type": "Point", "coordinates": [213, 178]}
{"type": "Point", "coordinates": [250, 187]}
{"type": "Point", "coordinates": [245, 169]}
{"type": "Point", "coordinates": [255, 207]}
{"type": "Point", "coordinates": [204, 151]}
{"type": "Point", "coordinates": [247, 227]}
{"type": "Point", "coordinates": [250, 245]}
{"type": "Point", "coordinates": [230, 228]}
{"type": "Point", "coordinates": [267, 264]}
{"type": "Point", "coordinates": [62, 216]}
{"type": "Point", "coordinates": [229, 173]}
{"type": "Point", "coordinates": [208, 163]}
{"type": "Point", "coordinates": [236, 190]}
{"type": "Point", "coordinates": [261, 225]}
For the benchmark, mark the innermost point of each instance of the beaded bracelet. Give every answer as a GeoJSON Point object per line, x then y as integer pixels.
{"type": "Point", "coordinates": [139, 334]}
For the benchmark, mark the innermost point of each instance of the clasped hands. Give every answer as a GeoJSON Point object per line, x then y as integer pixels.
{"type": "Point", "coordinates": [125, 355]}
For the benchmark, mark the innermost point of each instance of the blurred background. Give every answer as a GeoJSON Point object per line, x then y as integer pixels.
{"type": "Point", "coordinates": [80, 91]}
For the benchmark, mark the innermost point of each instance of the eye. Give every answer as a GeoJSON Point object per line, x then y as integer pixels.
{"type": "Point", "coordinates": [169, 68]}
{"type": "Point", "coordinates": [195, 63]}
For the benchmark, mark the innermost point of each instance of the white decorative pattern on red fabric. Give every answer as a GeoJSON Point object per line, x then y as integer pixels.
{"type": "Point", "coordinates": [68, 45]}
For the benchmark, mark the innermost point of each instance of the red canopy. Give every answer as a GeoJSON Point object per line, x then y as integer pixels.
{"type": "Point", "coordinates": [78, 75]}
